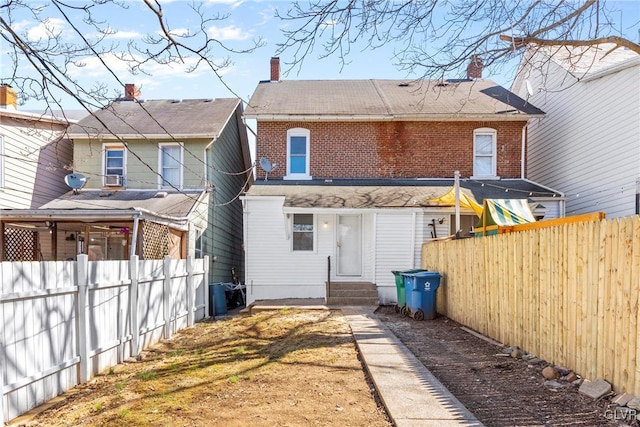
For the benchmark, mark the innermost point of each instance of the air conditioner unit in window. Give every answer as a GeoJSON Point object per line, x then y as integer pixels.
{"type": "Point", "coordinates": [113, 180]}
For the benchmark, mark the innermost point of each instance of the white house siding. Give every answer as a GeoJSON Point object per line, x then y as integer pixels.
{"type": "Point", "coordinates": [35, 162]}
{"type": "Point", "coordinates": [588, 145]}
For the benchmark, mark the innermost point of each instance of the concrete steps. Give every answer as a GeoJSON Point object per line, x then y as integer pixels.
{"type": "Point", "coordinates": [352, 293]}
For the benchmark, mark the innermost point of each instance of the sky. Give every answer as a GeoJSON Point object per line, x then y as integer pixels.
{"type": "Point", "coordinates": [246, 21]}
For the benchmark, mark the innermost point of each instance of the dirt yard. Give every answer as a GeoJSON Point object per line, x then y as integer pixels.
{"type": "Point", "coordinates": [285, 368]}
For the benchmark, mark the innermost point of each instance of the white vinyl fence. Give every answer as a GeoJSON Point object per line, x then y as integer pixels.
{"type": "Point", "coordinates": [66, 321]}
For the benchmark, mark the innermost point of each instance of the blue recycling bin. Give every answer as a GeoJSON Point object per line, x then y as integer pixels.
{"type": "Point", "coordinates": [217, 300]}
{"type": "Point", "coordinates": [409, 281]}
{"type": "Point", "coordinates": [422, 300]}
{"type": "Point", "coordinates": [401, 306]}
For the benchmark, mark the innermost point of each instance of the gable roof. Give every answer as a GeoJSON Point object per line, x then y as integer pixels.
{"type": "Point", "coordinates": [387, 100]}
{"type": "Point", "coordinates": [587, 61]}
{"type": "Point", "coordinates": [179, 118]}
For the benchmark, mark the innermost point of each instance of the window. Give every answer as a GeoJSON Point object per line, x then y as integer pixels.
{"type": "Point", "coordinates": [298, 154]}
{"type": "Point", "coordinates": [170, 165]}
{"type": "Point", "coordinates": [198, 244]}
{"type": "Point", "coordinates": [1, 161]}
{"type": "Point", "coordinates": [302, 232]}
{"type": "Point", "coordinates": [484, 153]}
{"type": "Point", "coordinates": [114, 165]}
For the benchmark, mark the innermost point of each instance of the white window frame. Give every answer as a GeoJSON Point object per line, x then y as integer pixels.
{"type": "Point", "coordinates": [494, 155]}
{"type": "Point", "coordinates": [107, 147]}
{"type": "Point", "coordinates": [180, 165]}
{"type": "Point", "coordinates": [315, 228]}
{"type": "Point", "coordinates": [198, 243]}
{"type": "Point", "coordinates": [293, 133]}
{"type": "Point", "coordinates": [2, 162]}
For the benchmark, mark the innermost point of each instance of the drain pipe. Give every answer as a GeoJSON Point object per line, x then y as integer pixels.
{"type": "Point", "coordinates": [523, 153]}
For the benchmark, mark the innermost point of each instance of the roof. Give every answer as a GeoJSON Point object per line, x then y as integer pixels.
{"type": "Point", "coordinates": [387, 100]}
{"type": "Point", "coordinates": [167, 203]}
{"type": "Point", "coordinates": [583, 61]}
{"type": "Point", "coordinates": [33, 116]}
{"type": "Point", "coordinates": [391, 193]}
{"type": "Point", "coordinates": [189, 117]}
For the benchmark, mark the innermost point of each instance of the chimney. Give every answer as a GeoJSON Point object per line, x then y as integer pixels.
{"type": "Point", "coordinates": [8, 97]}
{"type": "Point", "coordinates": [474, 69]}
{"type": "Point", "coordinates": [131, 92]}
{"type": "Point", "coordinates": [275, 69]}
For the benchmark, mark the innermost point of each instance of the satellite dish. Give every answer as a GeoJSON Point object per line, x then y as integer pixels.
{"type": "Point", "coordinates": [267, 166]}
{"type": "Point", "coordinates": [76, 181]}
{"type": "Point", "coordinates": [529, 89]}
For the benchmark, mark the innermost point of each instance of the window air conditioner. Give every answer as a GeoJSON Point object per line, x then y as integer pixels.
{"type": "Point", "coordinates": [113, 180]}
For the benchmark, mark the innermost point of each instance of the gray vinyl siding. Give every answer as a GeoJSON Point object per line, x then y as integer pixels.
{"type": "Point", "coordinates": [36, 161]}
{"type": "Point", "coordinates": [223, 237]}
{"type": "Point", "coordinates": [588, 145]}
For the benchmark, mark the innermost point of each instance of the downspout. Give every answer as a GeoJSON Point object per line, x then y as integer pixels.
{"type": "Point", "coordinates": [523, 153]}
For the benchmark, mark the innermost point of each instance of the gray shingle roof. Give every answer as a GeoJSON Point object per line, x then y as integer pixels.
{"type": "Point", "coordinates": [197, 117]}
{"type": "Point", "coordinates": [386, 100]}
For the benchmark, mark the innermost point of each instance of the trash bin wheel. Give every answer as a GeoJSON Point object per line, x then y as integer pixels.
{"type": "Point", "coordinates": [397, 308]}
{"type": "Point", "coordinates": [404, 310]}
{"type": "Point", "coordinates": [408, 312]}
{"type": "Point", "coordinates": [418, 315]}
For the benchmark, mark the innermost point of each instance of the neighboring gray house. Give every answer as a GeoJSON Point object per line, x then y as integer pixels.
{"type": "Point", "coordinates": [160, 177]}
{"type": "Point", "coordinates": [588, 144]}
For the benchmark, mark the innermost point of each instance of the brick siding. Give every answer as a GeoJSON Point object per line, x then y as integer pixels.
{"type": "Point", "coordinates": [391, 149]}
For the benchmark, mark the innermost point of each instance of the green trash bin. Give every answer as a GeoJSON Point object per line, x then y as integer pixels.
{"type": "Point", "coordinates": [401, 306]}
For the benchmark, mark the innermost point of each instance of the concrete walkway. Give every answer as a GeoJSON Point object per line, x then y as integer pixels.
{"type": "Point", "coordinates": [411, 394]}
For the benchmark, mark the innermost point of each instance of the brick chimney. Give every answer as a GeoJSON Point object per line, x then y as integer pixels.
{"type": "Point", "coordinates": [131, 92]}
{"type": "Point", "coordinates": [474, 69]}
{"type": "Point", "coordinates": [8, 97]}
{"type": "Point", "coordinates": [275, 69]}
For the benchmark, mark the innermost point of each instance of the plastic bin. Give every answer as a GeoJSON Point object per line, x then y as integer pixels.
{"type": "Point", "coordinates": [217, 300]}
{"type": "Point", "coordinates": [422, 300]}
{"type": "Point", "coordinates": [401, 306]}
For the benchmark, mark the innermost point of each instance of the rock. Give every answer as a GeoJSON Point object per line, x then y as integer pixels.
{"type": "Point", "coordinates": [595, 389]}
{"type": "Point", "coordinates": [634, 403]}
{"type": "Point", "coordinates": [550, 373]}
{"type": "Point", "coordinates": [622, 399]}
{"type": "Point", "coordinates": [570, 377]}
{"type": "Point", "coordinates": [577, 382]}
{"type": "Point", "coordinates": [517, 353]}
{"type": "Point", "coordinates": [552, 384]}
{"type": "Point", "coordinates": [562, 370]}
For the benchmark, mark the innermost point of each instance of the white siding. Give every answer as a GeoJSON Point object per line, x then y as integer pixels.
{"type": "Point", "coordinates": [35, 163]}
{"type": "Point", "coordinates": [588, 145]}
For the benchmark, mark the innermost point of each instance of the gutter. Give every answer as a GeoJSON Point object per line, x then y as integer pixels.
{"type": "Point", "coordinates": [392, 118]}
{"type": "Point", "coordinates": [629, 63]}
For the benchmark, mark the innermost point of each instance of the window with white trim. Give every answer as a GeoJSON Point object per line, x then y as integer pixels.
{"type": "Point", "coordinates": [298, 154]}
{"type": "Point", "coordinates": [484, 153]}
{"type": "Point", "coordinates": [170, 161]}
{"type": "Point", "coordinates": [198, 244]}
{"type": "Point", "coordinates": [115, 157]}
{"type": "Point", "coordinates": [302, 233]}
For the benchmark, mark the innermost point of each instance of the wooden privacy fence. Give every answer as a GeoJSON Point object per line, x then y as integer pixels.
{"type": "Point", "coordinates": [64, 322]}
{"type": "Point", "coordinates": [568, 294]}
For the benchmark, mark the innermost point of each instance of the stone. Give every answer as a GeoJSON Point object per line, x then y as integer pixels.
{"type": "Point", "coordinates": [577, 382]}
{"type": "Point", "coordinates": [562, 370]}
{"type": "Point", "coordinates": [595, 389]}
{"type": "Point", "coordinates": [552, 384]}
{"type": "Point", "coordinates": [550, 373]}
{"type": "Point", "coordinates": [634, 403]}
{"type": "Point", "coordinates": [517, 354]}
{"type": "Point", "coordinates": [622, 399]}
{"type": "Point", "coordinates": [535, 361]}
{"type": "Point", "coordinates": [571, 377]}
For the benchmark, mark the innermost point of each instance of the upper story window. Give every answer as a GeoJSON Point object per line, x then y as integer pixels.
{"type": "Point", "coordinates": [298, 154]}
{"type": "Point", "coordinates": [115, 157]}
{"type": "Point", "coordinates": [170, 160]}
{"type": "Point", "coordinates": [484, 153]}
{"type": "Point", "coordinates": [1, 161]}
{"type": "Point", "coordinates": [303, 232]}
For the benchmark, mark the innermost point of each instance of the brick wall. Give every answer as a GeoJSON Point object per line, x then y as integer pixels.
{"type": "Point", "coordinates": [391, 149]}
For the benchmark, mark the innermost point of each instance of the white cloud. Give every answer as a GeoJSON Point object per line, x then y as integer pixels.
{"type": "Point", "coordinates": [126, 35]}
{"type": "Point", "coordinates": [179, 32]}
{"type": "Point", "coordinates": [232, 3]}
{"type": "Point", "coordinates": [48, 28]}
{"type": "Point", "coordinates": [230, 32]}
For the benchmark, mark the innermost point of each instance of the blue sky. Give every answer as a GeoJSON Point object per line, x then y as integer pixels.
{"type": "Point", "coordinates": [247, 20]}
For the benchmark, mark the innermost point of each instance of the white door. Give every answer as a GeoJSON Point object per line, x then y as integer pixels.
{"type": "Point", "coordinates": [349, 242]}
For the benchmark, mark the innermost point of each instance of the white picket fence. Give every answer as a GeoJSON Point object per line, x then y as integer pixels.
{"type": "Point", "coordinates": [64, 322]}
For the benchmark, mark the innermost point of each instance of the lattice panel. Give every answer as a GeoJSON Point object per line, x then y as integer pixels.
{"type": "Point", "coordinates": [20, 244]}
{"type": "Point", "coordinates": [155, 240]}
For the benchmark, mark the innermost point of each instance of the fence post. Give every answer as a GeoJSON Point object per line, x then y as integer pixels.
{"type": "Point", "coordinates": [2, 363]}
{"type": "Point", "coordinates": [167, 297]}
{"type": "Point", "coordinates": [83, 317]}
{"type": "Point", "coordinates": [190, 293]}
{"type": "Point", "coordinates": [133, 305]}
{"type": "Point", "coordinates": [205, 287]}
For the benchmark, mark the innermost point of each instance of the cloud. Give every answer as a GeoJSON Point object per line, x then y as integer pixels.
{"type": "Point", "coordinates": [232, 3]}
{"type": "Point", "coordinates": [179, 32]}
{"type": "Point", "coordinates": [45, 30]}
{"type": "Point", "coordinates": [230, 32]}
{"type": "Point", "coordinates": [125, 35]}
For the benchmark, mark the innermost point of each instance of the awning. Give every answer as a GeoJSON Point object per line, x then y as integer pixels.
{"type": "Point", "coordinates": [449, 199]}
{"type": "Point", "coordinates": [506, 212]}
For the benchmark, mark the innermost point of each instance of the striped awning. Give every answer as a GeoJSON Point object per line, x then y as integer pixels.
{"type": "Point", "coordinates": [506, 212]}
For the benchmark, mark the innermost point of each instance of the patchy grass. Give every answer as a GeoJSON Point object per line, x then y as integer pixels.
{"type": "Point", "coordinates": [284, 367]}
